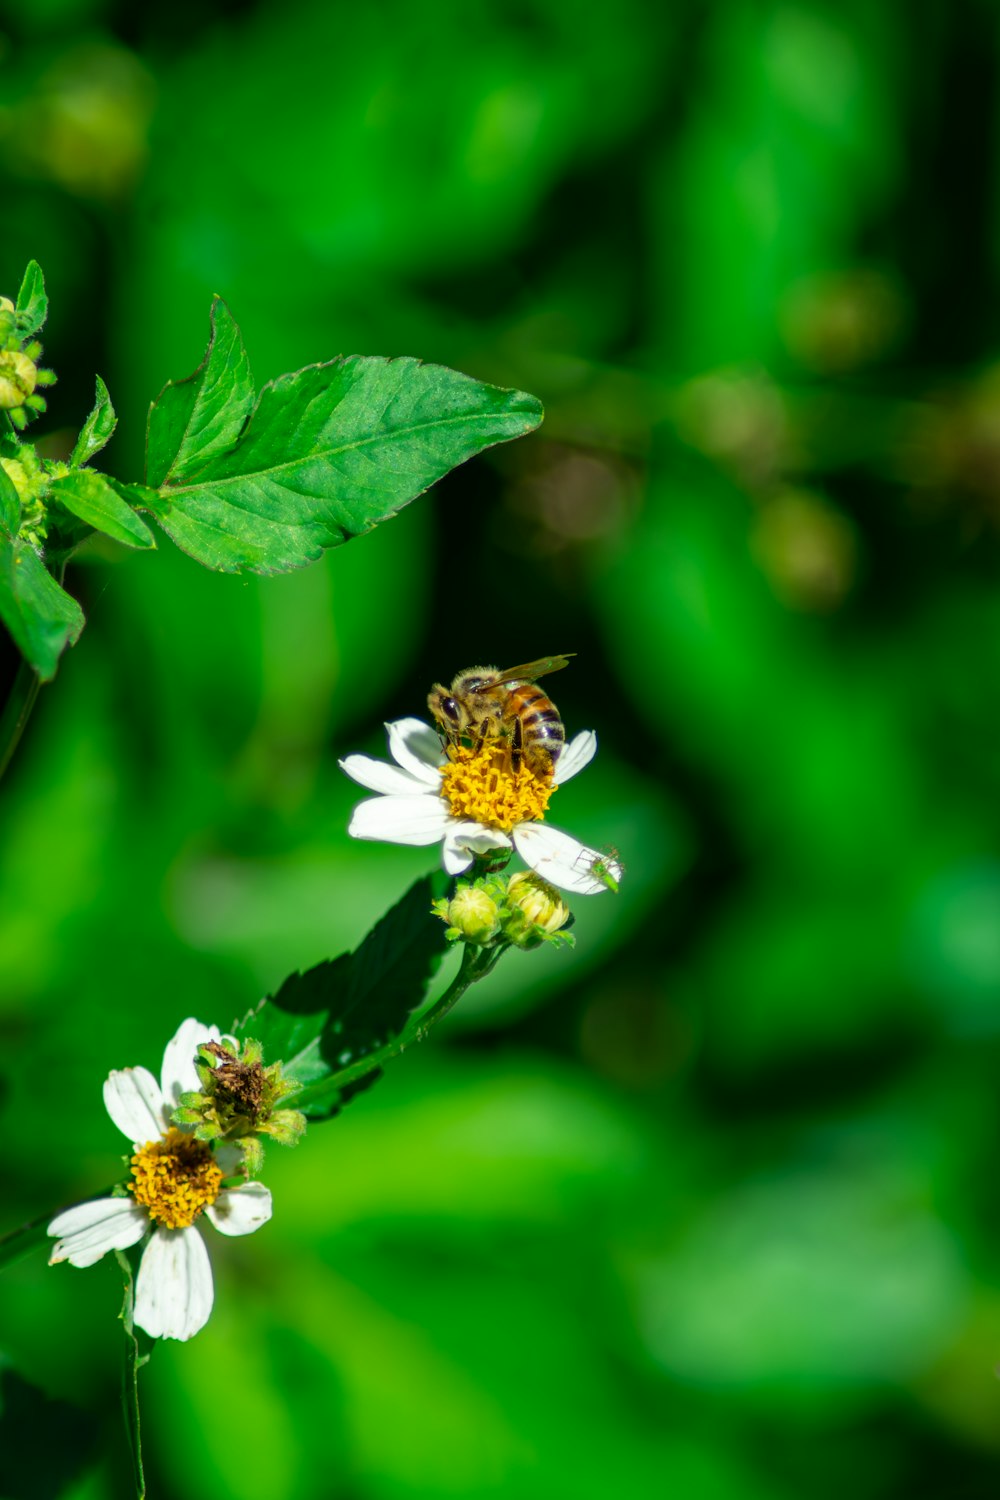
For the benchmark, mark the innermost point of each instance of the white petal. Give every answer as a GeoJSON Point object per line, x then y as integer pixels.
{"type": "Point", "coordinates": [229, 1158]}
{"type": "Point", "coordinates": [563, 860]}
{"type": "Point", "coordinates": [573, 757]}
{"type": "Point", "coordinates": [90, 1230]}
{"type": "Point", "coordinates": [416, 747]}
{"type": "Point", "coordinates": [133, 1100]}
{"type": "Point", "coordinates": [241, 1210]}
{"type": "Point", "coordinates": [178, 1075]}
{"type": "Point", "coordinates": [465, 839]}
{"type": "Point", "coordinates": [400, 820]}
{"type": "Point", "coordinates": [380, 776]}
{"type": "Point", "coordinates": [173, 1291]}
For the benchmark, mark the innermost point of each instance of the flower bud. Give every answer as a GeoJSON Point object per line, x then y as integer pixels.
{"type": "Point", "coordinates": [535, 910]}
{"type": "Point", "coordinates": [473, 915]}
{"type": "Point", "coordinates": [18, 376]}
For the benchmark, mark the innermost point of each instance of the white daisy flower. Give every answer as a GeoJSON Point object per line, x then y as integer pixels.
{"type": "Point", "coordinates": [475, 802]}
{"type": "Point", "coordinates": [175, 1179]}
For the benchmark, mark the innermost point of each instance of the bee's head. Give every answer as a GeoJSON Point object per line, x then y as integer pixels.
{"type": "Point", "coordinates": [445, 707]}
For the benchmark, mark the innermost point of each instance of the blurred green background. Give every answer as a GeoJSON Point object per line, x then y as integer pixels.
{"type": "Point", "coordinates": [708, 1207]}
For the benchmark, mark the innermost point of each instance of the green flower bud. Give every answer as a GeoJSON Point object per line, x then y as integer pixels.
{"type": "Point", "coordinates": [535, 911]}
{"type": "Point", "coordinates": [18, 378]}
{"type": "Point", "coordinates": [472, 915]}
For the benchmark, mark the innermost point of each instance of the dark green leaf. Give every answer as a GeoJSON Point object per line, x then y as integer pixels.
{"type": "Point", "coordinates": [138, 1347]}
{"type": "Point", "coordinates": [195, 420]}
{"type": "Point", "coordinates": [97, 429]}
{"type": "Point", "coordinates": [10, 504]}
{"type": "Point", "coordinates": [328, 453]}
{"type": "Point", "coordinates": [322, 1024]}
{"type": "Point", "coordinates": [41, 617]}
{"type": "Point", "coordinates": [87, 494]}
{"type": "Point", "coordinates": [46, 1444]}
{"type": "Point", "coordinates": [32, 303]}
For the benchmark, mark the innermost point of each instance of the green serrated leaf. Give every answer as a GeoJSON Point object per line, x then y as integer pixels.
{"type": "Point", "coordinates": [335, 1016]}
{"type": "Point", "coordinates": [10, 504]}
{"type": "Point", "coordinates": [32, 303]}
{"type": "Point", "coordinates": [87, 494]}
{"type": "Point", "coordinates": [194, 420]}
{"type": "Point", "coordinates": [328, 453]}
{"type": "Point", "coordinates": [41, 617]}
{"type": "Point", "coordinates": [97, 429]}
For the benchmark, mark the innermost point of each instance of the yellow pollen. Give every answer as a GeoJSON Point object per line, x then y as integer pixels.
{"type": "Point", "coordinates": [175, 1178]}
{"type": "Point", "coordinates": [482, 786]}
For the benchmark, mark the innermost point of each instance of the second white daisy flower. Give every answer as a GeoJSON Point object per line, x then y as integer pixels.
{"type": "Point", "coordinates": [174, 1180]}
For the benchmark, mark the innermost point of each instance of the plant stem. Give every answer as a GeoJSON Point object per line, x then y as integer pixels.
{"type": "Point", "coordinates": [17, 711]}
{"type": "Point", "coordinates": [476, 964]}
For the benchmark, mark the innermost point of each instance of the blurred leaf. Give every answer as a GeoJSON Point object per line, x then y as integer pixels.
{"type": "Point", "coordinates": [194, 420]}
{"type": "Point", "coordinates": [97, 429]}
{"type": "Point", "coordinates": [329, 452]}
{"type": "Point", "coordinates": [41, 617]}
{"type": "Point", "coordinates": [32, 303]}
{"type": "Point", "coordinates": [46, 1444]}
{"type": "Point", "coordinates": [90, 496]}
{"type": "Point", "coordinates": [323, 1023]}
{"type": "Point", "coordinates": [842, 1276]}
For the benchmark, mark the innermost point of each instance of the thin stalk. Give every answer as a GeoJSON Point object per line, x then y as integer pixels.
{"type": "Point", "coordinates": [476, 964]}
{"type": "Point", "coordinates": [17, 711]}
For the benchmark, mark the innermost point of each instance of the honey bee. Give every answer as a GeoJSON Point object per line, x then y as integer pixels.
{"type": "Point", "coordinates": [486, 704]}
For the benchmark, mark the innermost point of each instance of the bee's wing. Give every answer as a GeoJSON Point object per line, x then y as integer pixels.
{"type": "Point", "coordinates": [535, 669]}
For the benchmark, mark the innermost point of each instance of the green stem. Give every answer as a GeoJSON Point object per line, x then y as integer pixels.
{"type": "Point", "coordinates": [476, 964]}
{"type": "Point", "coordinates": [17, 711]}
{"type": "Point", "coordinates": [136, 1354]}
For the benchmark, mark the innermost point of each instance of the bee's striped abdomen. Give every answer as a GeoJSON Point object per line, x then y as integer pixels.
{"type": "Point", "coordinates": [538, 729]}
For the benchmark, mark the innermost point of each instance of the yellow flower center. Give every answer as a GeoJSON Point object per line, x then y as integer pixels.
{"type": "Point", "coordinates": [175, 1178]}
{"type": "Point", "coordinates": [483, 787]}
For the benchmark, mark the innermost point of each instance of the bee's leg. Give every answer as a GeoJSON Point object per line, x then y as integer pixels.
{"type": "Point", "coordinates": [516, 744]}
